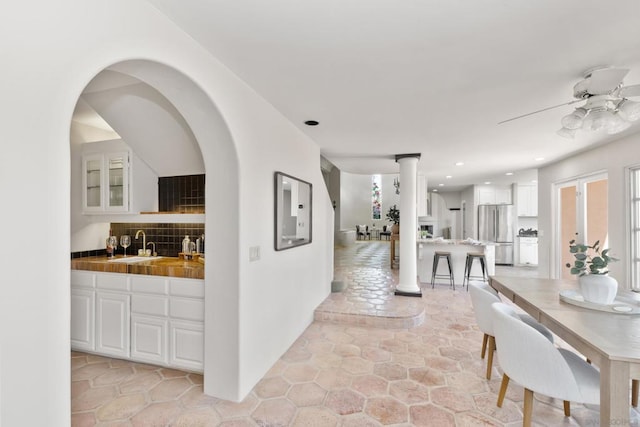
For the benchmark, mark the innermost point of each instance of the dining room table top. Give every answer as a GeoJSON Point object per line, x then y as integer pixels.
{"type": "Point", "coordinates": [615, 336]}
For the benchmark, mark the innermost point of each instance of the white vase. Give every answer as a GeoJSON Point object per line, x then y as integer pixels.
{"type": "Point", "coordinates": [598, 288]}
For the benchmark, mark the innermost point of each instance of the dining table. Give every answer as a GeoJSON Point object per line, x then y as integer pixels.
{"type": "Point", "coordinates": [608, 339]}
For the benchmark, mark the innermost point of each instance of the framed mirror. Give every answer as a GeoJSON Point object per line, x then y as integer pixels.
{"type": "Point", "coordinates": [292, 211]}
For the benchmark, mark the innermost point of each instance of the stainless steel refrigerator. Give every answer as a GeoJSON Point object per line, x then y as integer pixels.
{"type": "Point", "coordinates": [495, 224]}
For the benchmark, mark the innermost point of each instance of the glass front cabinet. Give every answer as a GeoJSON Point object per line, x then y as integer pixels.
{"type": "Point", "coordinates": [105, 182]}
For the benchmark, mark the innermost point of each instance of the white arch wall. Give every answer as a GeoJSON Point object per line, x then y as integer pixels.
{"type": "Point", "coordinates": [51, 51]}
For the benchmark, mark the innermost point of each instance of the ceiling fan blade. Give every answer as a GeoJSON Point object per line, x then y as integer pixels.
{"type": "Point", "coordinates": [540, 111]}
{"type": "Point", "coordinates": [633, 90]}
{"type": "Point", "coordinates": [604, 80]}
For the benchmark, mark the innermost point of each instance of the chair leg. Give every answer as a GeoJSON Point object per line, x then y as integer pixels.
{"type": "Point", "coordinates": [503, 390]}
{"type": "Point", "coordinates": [567, 408]}
{"type": "Point", "coordinates": [491, 345]}
{"type": "Point", "coordinates": [528, 408]}
{"type": "Point", "coordinates": [634, 392]}
{"type": "Point", "coordinates": [484, 345]}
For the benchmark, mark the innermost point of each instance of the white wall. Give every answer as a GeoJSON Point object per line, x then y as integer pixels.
{"type": "Point", "coordinates": [254, 311]}
{"type": "Point", "coordinates": [612, 158]}
{"type": "Point", "coordinates": [355, 200]}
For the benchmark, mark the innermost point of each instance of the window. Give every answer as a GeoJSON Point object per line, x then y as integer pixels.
{"type": "Point", "coordinates": [376, 197]}
{"type": "Point", "coordinates": [634, 226]}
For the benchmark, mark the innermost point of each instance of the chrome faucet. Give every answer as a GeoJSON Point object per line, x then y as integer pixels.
{"type": "Point", "coordinates": [144, 239]}
{"type": "Point", "coordinates": [153, 253]}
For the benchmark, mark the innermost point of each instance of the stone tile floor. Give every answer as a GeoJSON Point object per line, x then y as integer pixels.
{"type": "Point", "coordinates": [340, 372]}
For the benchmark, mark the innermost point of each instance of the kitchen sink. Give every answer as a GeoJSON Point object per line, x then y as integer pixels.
{"type": "Point", "coordinates": [134, 259]}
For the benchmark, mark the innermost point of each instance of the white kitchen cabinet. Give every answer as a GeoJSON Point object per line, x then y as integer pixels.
{"type": "Point", "coordinates": [187, 345]}
{"type": "Point", "coordinates": [105, 182]}
{"type": "Point", "coordinates": [528, 250]}
{"type": "Point", "coordinates": [113, 324]}
{"type": "Point", "coordinates": [151, 319]}
{"type": "Point", "coordinates": [492, 195]}
{"type": "Point", "coordinates": [82, 319]}
{"type": "Point", "coordinates": [149, 339]}
{"type": "Point", "coordinates": [528, 200]}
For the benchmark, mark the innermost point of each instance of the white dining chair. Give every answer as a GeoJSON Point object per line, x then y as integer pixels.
{"type": "Point", "coordinates": [535, 363]}
{"type": "Point", "coordinates": [482, 297]}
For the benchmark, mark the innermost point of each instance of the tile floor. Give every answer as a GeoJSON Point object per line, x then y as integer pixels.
{"type": "Point", "coordinates": [349, 369]}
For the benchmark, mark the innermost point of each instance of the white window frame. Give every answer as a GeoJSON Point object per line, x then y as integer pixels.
{"type": "Point", "coordinates": [633, 224]}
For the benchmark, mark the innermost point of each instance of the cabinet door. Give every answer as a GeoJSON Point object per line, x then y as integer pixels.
{"type": "Point", "coordinates": [529, 253]}
{"type": "Point", "coordinates": [186, 345]}
{"type": "Point", "coordinates": [92, 183]}
{"type": "Point", "coordinates": [82, 319]}
{"type": "Point", "coordinates": [503, 196]}
{"type": "Point", "coordinates": [112, 324]}
{"type": "Point", "coordinates": [486, 196]}
{"type": "Point", "coordinates": [149, 339]}
{"type": "Point", "coordinates": [117, 181]}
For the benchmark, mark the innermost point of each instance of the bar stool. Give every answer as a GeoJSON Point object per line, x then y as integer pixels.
{"type": "Point", "coordinates": [472, 256]}
{"type": "Point", "coordinates": [436, 259]}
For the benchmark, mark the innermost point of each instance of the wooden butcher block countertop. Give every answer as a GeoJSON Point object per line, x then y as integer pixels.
{"type": "Point", "coordinates": [153, 266]}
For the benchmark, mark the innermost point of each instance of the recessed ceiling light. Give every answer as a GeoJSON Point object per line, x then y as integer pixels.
{"type": "Point", "coordinates": [487, 182]}
{"type": "Point", "coordinates": [459, 163]}
{"type": "Point", "coordinates": [509, 173]}
{"type": "Point", "coordinates": [539, 159]}
{"type": "Point", "coordinates": [534, 181]}
{"type": "Point", "coordinates": [435, 190]}
{"type": "Point", "coordinates": [440, 185]}
{"type": "Point", "coordinates": [312, 123]}
{"type": "Point", "coordinates": [448, 177]}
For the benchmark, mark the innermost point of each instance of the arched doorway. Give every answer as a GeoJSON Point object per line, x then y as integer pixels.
{"type": "Point", "coordinates": [221, 165]}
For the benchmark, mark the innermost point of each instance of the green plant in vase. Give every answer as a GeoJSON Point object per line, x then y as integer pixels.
{"type": "Point", "coordinates": [591, 265]}
{"type": "Point", "coordinates": [393, 215]}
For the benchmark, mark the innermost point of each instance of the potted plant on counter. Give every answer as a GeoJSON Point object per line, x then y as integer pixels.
{"type": "Point", "coordinates": [393, 215]}
{"type": "Point", "coordinates": [591, 265]}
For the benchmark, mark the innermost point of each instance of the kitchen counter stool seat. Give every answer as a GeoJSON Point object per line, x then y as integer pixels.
{"type": "Point", "coordinates": [434, 273]}
{"type": "Point", "coordinates": [472, 256]}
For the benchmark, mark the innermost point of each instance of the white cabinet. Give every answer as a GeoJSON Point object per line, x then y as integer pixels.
{"type": "Point", "coordinates": [82, 319]}
{"type": "Point", "coordinates": [492, 195]}
{"type": "Point", "coordinates": [149, 339]}
{"type": "Point", "coordinates": [112, 324]}
{"type": "Point", "coordinates": [152, 319]}
{"type": "Point", "coordinates": [187, 345]}
{"type": "Point", "coordinates": [527, 200]}
{"type": "Point", "coordinates": [528, 250]}
{"type": "Point", "coordinates": [105, 182]}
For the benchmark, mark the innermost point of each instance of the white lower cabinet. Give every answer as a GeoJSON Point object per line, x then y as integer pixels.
{"type": "Point", "coordinates": [149, 339]}
{"type": "Point", "coordinates": [187, 345]}
{"type": "Point", "coordinates": [82, 319]}
{"type": "Point", "coordinates": [112, 324]}
{"type": "Point", "coordinates": [150, 319]}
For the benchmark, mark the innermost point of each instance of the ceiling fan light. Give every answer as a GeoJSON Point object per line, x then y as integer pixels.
{"type": "Point", "coordinates": [575, 119]}
{"type": "Point", "coordinates": [567, 133]}
{"type": "Point", "coordinates": [630, 110]}
{"type": "Point", "coordinates": [617, 124]}
{"type": "Point", "coordinates": [597, 120]}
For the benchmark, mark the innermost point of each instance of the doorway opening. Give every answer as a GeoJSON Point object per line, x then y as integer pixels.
{"type": "Point", "coordinates": [581, 211]}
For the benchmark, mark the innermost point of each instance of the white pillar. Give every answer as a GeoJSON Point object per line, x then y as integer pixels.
{"type": "Point", "coordinates": [408, 284]}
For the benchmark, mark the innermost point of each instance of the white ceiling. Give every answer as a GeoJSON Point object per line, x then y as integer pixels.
{"type": "Point", "coordinates": [385, 77]}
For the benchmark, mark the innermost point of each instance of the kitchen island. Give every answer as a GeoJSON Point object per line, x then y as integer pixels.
{"type": "Point", "coordinates": [459, 249]}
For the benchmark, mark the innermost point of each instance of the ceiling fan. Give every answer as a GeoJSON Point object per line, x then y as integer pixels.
{"type": "Point", "coordinates": [606, 104]}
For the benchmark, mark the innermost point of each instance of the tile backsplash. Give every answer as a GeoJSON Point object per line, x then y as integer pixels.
{"type": "Point", "coordinates": [167, 237]}
{"type": "Point", "coordinates": [181, 193]}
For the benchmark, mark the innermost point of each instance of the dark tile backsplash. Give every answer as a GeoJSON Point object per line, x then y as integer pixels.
{"type": "Point", "coordinates": [181, 194]}
{"type": "Point", "coordinates": [167, 237]}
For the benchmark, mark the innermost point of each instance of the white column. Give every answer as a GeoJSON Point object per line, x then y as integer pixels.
{"type": "Point", "coordinates": [408, 284]}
